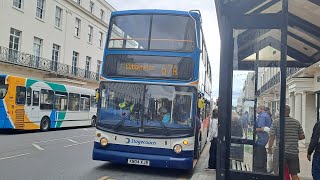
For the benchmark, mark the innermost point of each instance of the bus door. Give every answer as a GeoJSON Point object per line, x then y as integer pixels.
{"type": "Point", "coordinates": [60, 105]}
{"type": "Point", "coordinates": [34, 115]}
{"type": "Point", "coordinates": [20, 107]}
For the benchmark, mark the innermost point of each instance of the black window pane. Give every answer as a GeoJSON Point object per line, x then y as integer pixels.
{"type": "Point", "coordinates": [46, 99]}
{"type": "Point", "coordinates": [35, 98]}
{"type": "Point", "coordinates": [21, 95]}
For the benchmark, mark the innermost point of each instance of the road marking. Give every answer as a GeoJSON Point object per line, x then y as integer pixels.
{"type": "Point", "coordinates": [62, 139]}
{"type": "Point", "coordinates": [78, 143]}
{"type": "Point", "coordinates": [73, 141]}
{"type": "Point", "coordinates": [38, 147]}
{"type": "Point", "coordinates": [85, 129]}
{"type": "Point", "coordinates": [9, 157]}
{"type": "Point", "coordinates": [104, 178]}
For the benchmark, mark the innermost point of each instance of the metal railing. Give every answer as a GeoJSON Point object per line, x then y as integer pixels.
{"type": "Point", "coordinates": [12, 56]}
{"type": "Point", "coordinates": [276, 79]}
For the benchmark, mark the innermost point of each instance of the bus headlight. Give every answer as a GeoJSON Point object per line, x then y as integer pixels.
{"type": "Point", "coordinates": [177, 148]}
{"type": "Point", "coordinates": [103, 141]}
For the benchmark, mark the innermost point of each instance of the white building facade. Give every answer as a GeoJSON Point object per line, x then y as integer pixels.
{"type": "Point", "coordinates": [54, 40]}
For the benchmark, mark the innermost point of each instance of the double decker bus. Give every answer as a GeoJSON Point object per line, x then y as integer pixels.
{"type": "Point", "coordinates": [28, 104]}
{"type": "Point", "coordinates": [154, 95]}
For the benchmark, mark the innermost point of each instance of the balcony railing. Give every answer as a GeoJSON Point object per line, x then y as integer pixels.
{"type": "Point", "coordinates": [275, 80]}
{"type": "Point", "coordinates": [27, 60]}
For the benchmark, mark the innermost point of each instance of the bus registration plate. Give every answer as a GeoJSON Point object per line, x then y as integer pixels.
{"type": "Point", "coordinates": [139, 162]}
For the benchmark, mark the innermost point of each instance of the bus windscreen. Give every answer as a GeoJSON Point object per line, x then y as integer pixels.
{"type": "Point", "coordinates": [176, 68]}
{"type": "Point", "coordinates": [153, 32]}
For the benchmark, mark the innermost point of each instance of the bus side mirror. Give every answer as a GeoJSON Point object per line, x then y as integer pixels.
{"type": "Point", "coordinates": [200, 103]}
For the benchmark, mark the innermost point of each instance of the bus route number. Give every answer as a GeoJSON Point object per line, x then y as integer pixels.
{"type": "Point", "coordinates": [169, 69]}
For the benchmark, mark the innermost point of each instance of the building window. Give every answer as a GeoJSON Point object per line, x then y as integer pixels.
{"type": "Point", "coordinates": [91, 7]}
{"type": "Point", "coordinates": [75, 58]}
{"type": "Point", "coordinates": [100, 39]}
{"type": "Point", "coordinates": [55, 57]}
{"type": "Point", "coordinates": [98, 69]}
{"type": "Point", "coordinates": [77, 27]}
{"type": "Point", "coordinates": [87, 68]}
{"type": "Point", "coordinates": [14, 44]}
{"type": "Point", "coordinates": [79, 2]}
{"type": "Point", "coordinates": [102, 15]}
{"type": "Point", "coordinates": [40, 9]}
{"type": "Point", "coordinates": [58, 20]}
{"type": "Point", "coordinates": [90, 34]}
{"type": "Point", "coordinates": [37, 45]}
{"type": "Point", "coordinates": [17, 3]}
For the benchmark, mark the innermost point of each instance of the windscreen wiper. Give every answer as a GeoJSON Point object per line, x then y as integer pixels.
{"type": "Point", "coordinates": [165, 128]}
{"type": "Point", "coordinates": [116, 127]}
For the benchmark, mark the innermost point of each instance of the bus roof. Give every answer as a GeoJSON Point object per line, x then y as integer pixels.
{"type": "Point", "coordinates": [76, 88]}
{"type": "Point", "coordinates": [156, 11]}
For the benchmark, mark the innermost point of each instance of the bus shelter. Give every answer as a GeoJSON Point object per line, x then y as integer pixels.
{"type": "Point", "coordinates": [264, 43]}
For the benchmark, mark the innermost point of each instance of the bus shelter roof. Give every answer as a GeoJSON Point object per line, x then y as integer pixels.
{"type": "Point", "coordinates": [257, 29]}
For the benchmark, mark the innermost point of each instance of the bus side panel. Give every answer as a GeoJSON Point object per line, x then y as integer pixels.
{"type": "Point", "coordinates": [75, 118]}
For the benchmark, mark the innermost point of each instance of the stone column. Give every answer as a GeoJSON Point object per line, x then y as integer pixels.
{"type": "Point", "coordinates": [298, 106]}
{"type": "Point", "coordinates": [291, 104]}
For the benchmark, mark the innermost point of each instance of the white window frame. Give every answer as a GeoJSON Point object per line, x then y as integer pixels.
{"type": "Point", "coordinates": [91, 7]}
{"type": "Point", "coordinates": [90, 34]}
{"type": "Point", "coordinates": [40, 9]}
{"type": "Point", "coordinates": [87, 66]}
{"type": "Point", "coordinates": [17, 3]}
{"type": "Point", "coordinates": [77, 27]}
{"type": "Point", "coordinates": [102, 14]}
{"type": "Point", "coordinates": [75, 59]}
{"type": "Point", "coordinates": [15, 36]}
{"type": "Point", "coordinates": [100, 39]}
{"type": "Point", "coordinates": [58, 17]}
{"type": "Point", "coordinates": [56, 52]}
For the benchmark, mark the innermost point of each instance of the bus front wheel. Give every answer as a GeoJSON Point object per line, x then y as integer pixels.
{"type": "Point", "coordinates": [93, 121]}
{"type": "Point", "coordinates": [45, 124]}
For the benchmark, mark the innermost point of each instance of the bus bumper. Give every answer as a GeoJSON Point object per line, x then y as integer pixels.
{"type": "Point", "coordinates": [155, 160]}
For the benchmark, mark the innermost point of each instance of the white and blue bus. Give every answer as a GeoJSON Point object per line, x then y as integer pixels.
{"type": "Point", "coordinates": [154, 95]}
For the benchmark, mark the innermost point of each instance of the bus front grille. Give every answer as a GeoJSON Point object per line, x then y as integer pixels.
{"type": "Point", "coordinates": [19, 124]}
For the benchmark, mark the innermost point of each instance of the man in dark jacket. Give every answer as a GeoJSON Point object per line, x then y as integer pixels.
{"type": "Point", "coordinates": [314, 146]}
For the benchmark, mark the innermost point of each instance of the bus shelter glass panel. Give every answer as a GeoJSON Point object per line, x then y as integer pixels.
{"type": "Point", "coordinates": [255, 100]}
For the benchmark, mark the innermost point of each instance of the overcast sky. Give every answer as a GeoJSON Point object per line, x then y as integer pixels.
{"type": "Point", "coordinates": [210, 25]}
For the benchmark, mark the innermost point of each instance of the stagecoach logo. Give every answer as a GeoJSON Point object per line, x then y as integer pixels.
{"type": "Point", "coordinates": [139, 142]}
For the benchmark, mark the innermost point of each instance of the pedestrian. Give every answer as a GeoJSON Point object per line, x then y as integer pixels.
{"type": "Point", "coordinates": [236, 150]}
{"type": "Point", "coordinates": [293, 133]}
{"type": "Point", "coordinates": [314, 147]}
{"type": "Point", "coordinates": [245, 123]}
{"type": "Point", "coordinates": [263, 125]}
{"type": "Point", "coordinates": [268, 112]}
{"type": "Point", "coordinates": [212, 137]}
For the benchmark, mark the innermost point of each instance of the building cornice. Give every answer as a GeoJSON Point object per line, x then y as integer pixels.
{"type": "Point", "coordinates": [97, 19]}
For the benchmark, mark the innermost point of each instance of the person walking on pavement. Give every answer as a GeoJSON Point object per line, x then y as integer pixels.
{"type": "Point", "coordinates": [212, 137]}
{"type": "Point", "coordinates": [314, 147]}
{"type": "Point", "coordinates": [262, 128]}
{"type": "Point", "coordinates": [293, 133]}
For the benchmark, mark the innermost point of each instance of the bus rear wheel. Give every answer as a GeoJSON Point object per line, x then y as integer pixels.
{"type": "Point", "coordinates": [45, 124]}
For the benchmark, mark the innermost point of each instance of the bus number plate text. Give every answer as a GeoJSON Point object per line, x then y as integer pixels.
{"type": "Point", "coordinates": [139, 162]}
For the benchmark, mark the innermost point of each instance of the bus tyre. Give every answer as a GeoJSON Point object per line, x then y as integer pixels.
{"type": "Point", "coordinates": [45, 124]}
{"type": "Point", "coordinates": [93, 121]}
